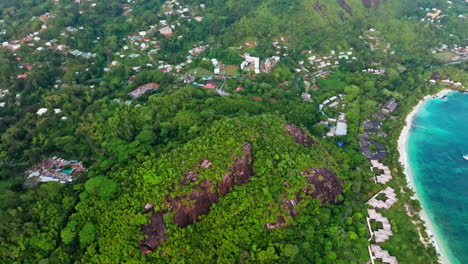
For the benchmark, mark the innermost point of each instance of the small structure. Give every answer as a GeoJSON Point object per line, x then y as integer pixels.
{"type": "Point", "coordinates": [341, 128]}
{"type": "Point", "coordinates": [390, 106]}
{"type": "Point", "coordinates": [306, 97]}
{"type": "Point", "coordinates": [250, 63]}
{"type": "Point", "coordinates": [166, 31]}
{"type": "Point", "coordinates": [209, 86]}
{"type": "Point", "coordinates": [41, 111]}
{"type": "Point", "coordinates": [143, 89]}
{"type": "Point", "coordinates": [434, 15]}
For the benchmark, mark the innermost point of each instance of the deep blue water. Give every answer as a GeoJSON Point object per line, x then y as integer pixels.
{"type": "Point", "coordinates": [440, 173]}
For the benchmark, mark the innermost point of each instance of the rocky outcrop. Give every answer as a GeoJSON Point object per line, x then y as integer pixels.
{"type": "Point", "coordinates": [154, 232]}
{"type": "Point", "coordinates": [280, 222]}
{"type": "Point", "coordinates": [299, 136]}
{"type": "Point", "coordinates": [240, 172]}
{"type": "Point", "coordinates": [320, 8]}
{"type": "Point", "coordinates": [323, 184]}
{"type": "Point", "coordinates": [345, 6]}
{"type": "Point", "coordinates": [189, 207]}
{"type": "Point", "coordinates": [436, 76]}
{"type": "Point", "coordinates": [198, 202]}
{"type": "Point", "coordinates": [342, 16]}
{"type": "Point", "coordinates": [191, 175]}
{"type": "Point", "coordinates": [371, 3]}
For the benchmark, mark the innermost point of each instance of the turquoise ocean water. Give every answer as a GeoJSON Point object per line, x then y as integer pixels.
{"type": "Point", "coordinates": [440, 173]}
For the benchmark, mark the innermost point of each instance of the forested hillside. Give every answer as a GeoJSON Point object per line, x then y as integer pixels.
{"type": "Point", "coordinates": [213, 131]}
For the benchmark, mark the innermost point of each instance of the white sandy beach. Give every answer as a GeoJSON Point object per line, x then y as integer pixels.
{"type": "Point", "coordinates": [402, 148]}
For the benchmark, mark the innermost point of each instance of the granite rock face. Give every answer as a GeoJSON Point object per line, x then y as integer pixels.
{"type": "Point", "coordinates": [189, 207]}
{"type": "Point", "coordinates": [371, 3]}
{"type": "Point", "coordinates": [154, 232]}
{"type": "Point", "coordinates": [323, 184]}
{"type": "Point", "coordinates": [299, 136]}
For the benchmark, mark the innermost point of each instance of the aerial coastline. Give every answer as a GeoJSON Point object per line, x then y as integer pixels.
{"type": "Point", "coordinates": [403, 151]}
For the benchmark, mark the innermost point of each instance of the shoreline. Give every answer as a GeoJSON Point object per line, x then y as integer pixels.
{"type": "Point", "coordinates": [403, 151]}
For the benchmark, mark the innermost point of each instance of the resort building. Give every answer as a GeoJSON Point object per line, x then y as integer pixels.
{"type": "Point", "coordinates": [378, 253]}
{"type": "Point", "coordinates": [382, 234]}
{"type": "Point", "coordinates": [389, 193]}
{"type": "Point", "coordinates": [56, 169]}
{"type": "Point", "coordinates": [390, 106]}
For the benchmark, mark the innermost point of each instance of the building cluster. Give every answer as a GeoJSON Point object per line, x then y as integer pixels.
{"type": "Point", "coordinates": [372, 149]}
{"type": "Point", "coordinates": [56, 169]}
{"type": "Point", "coordinates": [459, 53]}
{"type": "Point", "coordinates": [433, 16]}
{"type": "Point", "coordinates": [338, 126]}
{"type": "Point", "coordinates": [387, 197]}
{"type": "Point", "coordinates": [147, 41]}
{"type": "Point", "coordinates": [375, 71]}
{"type": "Point", "coordinates": [86, 55]}
{"type": "Point", "coordinates": [315, 62]}
{"type": "Point", "coordinates": [376, 42]}
{"type": "Point", "coordinates": [256, 65]}
{"type": "Point", "coordinates": [43, 111]}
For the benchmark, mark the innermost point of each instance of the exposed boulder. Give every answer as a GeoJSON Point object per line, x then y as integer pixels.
{"type": "Point", "coordinates": [320, 8]}
{"type": "Point", "coordinates": [240, 172]}
{"type": "Point", "coordinates": [436, 76]}
{"type": "Point", "coordinates": [154, 233]}
{"type": "Point", "coordinates": [205, 164]}
{"type": "Point", "coordinates": [191, 175]}
{"type": "Point", "coordinates": [345, 6]}
{"type": "Point", "coordinates": [299, 136]}
{"type": "Point", "coordinates": [342, 16]}
{"type": "Point", "coordinates": [149, 207]}
{"type": "Point", "coordinates": [280, 222]}
{"type": "Point", "coordinates": [189, 207]}
{"type": "Point", "coordinates": [323, 184]}
{"type": "Point", "coordinates": [371, 3]}
{"type": "Point", "coordinates": [290, 204]}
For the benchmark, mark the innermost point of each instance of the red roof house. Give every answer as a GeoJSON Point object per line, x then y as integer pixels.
{"type": "Point", "coordinates": [238, 89]}
{"type": "Point", "coordinates": [209, 86]}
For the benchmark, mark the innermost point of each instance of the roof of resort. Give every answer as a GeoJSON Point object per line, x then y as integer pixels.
{"type": "Point", "coordinates": [389, 193]}
{"type": "Point", "coordinates": [382, 234]}
{"type": "Point", "coordinates": [383, 255]}
{"type": "Point", "coordinates": [386, 176]}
